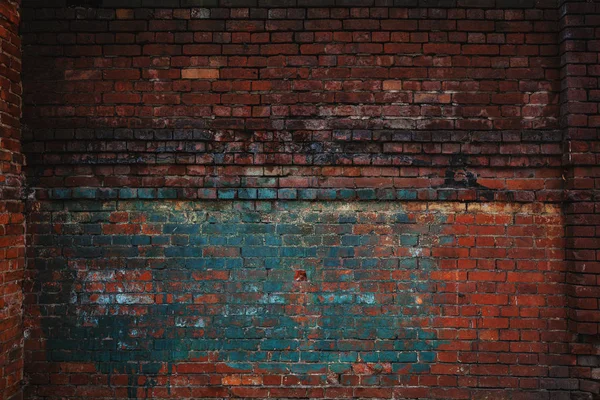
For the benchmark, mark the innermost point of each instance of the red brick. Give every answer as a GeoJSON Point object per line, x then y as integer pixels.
{"type": "Point", "coordinates": [479, 116]}
{"type": "Point", "coordinates": [200, 73]}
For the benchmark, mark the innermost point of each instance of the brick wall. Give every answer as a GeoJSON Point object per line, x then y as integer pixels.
{"type": "Point", "coordinates": [12, 228]}
{"type": "Point", "coordinates": [204, 101]}
{"type": "Point", "coordinates": [295, 299]}
{"type": "Point", "coordinates": [580, 22]}
{"type": "Point", "coordinates": [390, 185]}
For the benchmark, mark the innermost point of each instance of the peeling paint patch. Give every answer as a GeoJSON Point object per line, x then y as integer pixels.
{"type": "Point", "coordinates": [297, 289]}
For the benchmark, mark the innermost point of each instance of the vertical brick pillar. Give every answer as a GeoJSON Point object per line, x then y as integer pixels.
{"type": "Point", "coordinates": [12, 248]}
{"type": "Point", "coordinates": [580, 44]}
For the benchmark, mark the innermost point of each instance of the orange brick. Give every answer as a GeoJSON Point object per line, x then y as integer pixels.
{"type": "Point", "coordinates": [392, 85]}
{"type": "Point", "coordinates": [200, 73]}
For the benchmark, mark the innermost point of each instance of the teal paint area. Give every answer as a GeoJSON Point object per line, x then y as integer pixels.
{"type": "Point", "coordinates": [265, 287]}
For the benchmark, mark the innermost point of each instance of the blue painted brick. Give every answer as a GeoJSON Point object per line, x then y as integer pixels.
{"type": "Point", "coordinates": [227, 194]}
{"type": "Point", "coordinates": [248, 193]}
{"type": "Point", "coordinates": [287, 194]}
{"type": "Point", "coordinates": [147, 193]}
{"type": "Point", "coordinates": [267, 193]}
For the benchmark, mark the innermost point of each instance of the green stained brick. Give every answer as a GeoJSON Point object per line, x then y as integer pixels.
{"type": "Point", "coordinates": [167, 193]}
{"type": "Point", "coordinates": [307, 194]}
{"type": "Point", "coordinates": [127, 193]}
{"type": "Point", "coordinates": [106, 193]}
{"type": "Point", "coordinates": [347, 194]}
{"type": "Point", "coordinates": [406, 240]}
{"type": "Point", "coordinates": [287, 194]}
{"type": "Point", "coordinates": [84, 193]}
{"type": "Point", "coordinates": [267, 194]}
{"type": "Point", "coordinates": [326, 194]}
{"type": "Point", "coordinates": [366, 194]}
{"type": "Point", "coordinates": [248, 193]}
{"type": "Point", "coordinates": [385, 194]}
{"type": "Point", "coordinates": [227, 194]}
{"type": "Point", "coordinates": [147, 193]}
{"type": "Point", "coordinates": [405, 194]}
{"type": "Point", "coordinates": [60, 193]}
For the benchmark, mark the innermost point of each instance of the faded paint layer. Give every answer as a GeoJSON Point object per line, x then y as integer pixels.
{"type": "Point", "coordinates": [323, 292]}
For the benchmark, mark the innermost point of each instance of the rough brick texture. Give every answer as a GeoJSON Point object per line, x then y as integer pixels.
{"type": "Point", "coordinates": [314, 199]}
{"type": "Point", "coordinates": [288, 299]}
{"type": "Point", "coordinates": [204, 101]}
{"type": "Point", "coordinates": [580, 29]}
{"type": "Point", "coordinates": [12, 227]}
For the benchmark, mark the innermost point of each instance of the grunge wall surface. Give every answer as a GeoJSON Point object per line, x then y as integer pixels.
{"type": "Point", "coordinates": [313, 199]}
{"type": "Point", "coordinates": [12, 221]}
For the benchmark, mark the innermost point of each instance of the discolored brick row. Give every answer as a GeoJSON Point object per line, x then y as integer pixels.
{"type": "Point", "coordinates": [328, 193]}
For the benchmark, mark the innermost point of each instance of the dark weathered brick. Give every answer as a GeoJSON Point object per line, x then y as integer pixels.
{"type": "Point", "coordinates": [301, 199]}
{"type": "Point", "coordinates": [12, 223]}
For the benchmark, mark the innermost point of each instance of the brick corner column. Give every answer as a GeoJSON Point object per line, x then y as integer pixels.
{"type": "Point", "coordinates": [12, 229]}
{"type": "Point", "coordinates": [580, 45]}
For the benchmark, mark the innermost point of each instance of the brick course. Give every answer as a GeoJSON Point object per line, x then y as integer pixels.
{"type": "Point", "coordinates": [311, 199]}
